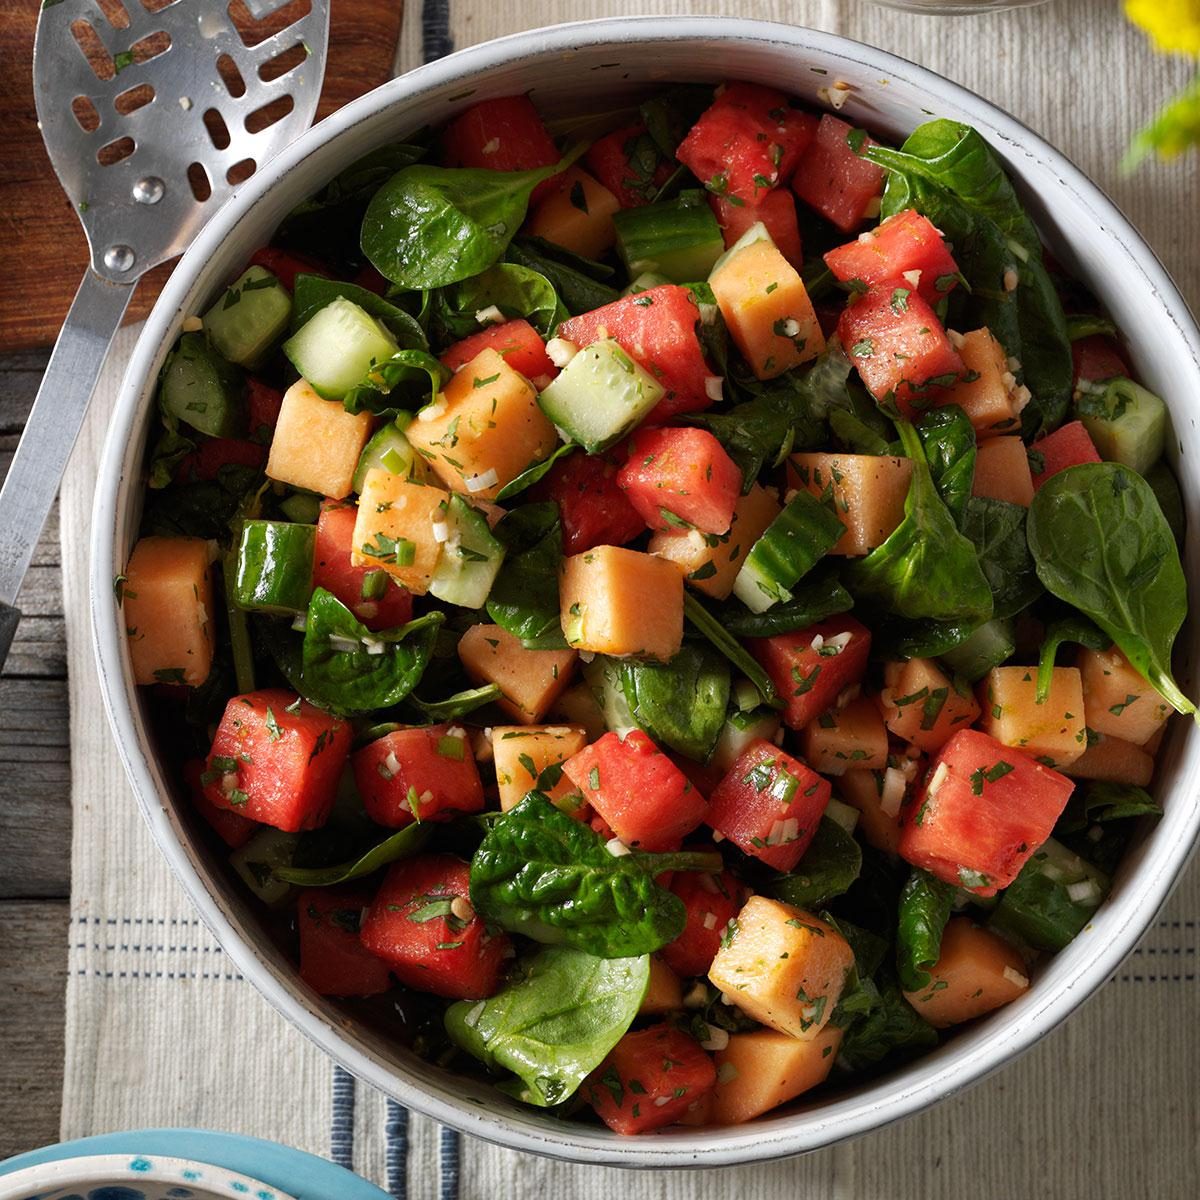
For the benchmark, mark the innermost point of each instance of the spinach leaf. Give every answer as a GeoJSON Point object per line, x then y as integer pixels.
{"type": "Point", "coordinates": [515, 290]}
{"type": "Point", "coordinates": [541, 873]}
{"type": "Point", "coordinates": [457, 705]}
{"type": "Point", "coordinates": [203, 509]}
{"type": "Point", "coordinates": [314, 292]}
{"type": "Point", "coordinates": [581, 283]}
{"type": "Point", "coordinates": [925, 904]}
{"type": "Point", "coordinates": [892, 1027]}
{"type": "Point", "coordinates": [829, 866]}
{"type": "Point", "coordinates": [998, 530]}
{"type": "Point", "coordinates": [402, 844]}
{"type": "Point", "coordinates": [859, 993]}
{"type": "Point", "coordinates": [533, 474]}
{"type": "Point", "coordinates": [1102, 544]}
{"type": "Point", "coordinates": [1098, 802]}
{"type": "Point", "coordinates": [893, 638]}
{"type": "Point", "coordinates": [947, 171]}
{"type": "Point", "coordinates": [414, 374]}
{"type": "Point", "coordinates": [1165, 486]}
{"type": "Point", "coordinates": [705, 623]}
{"type": "Point", "coordinates": [524, 598]}
{"type": "Point", "coordinates": [552, 1024]}
{"type": "Point", "coordinates": [428, 226]}
{"type": "Point", "coordinates": [926, 570]}
{"type": "Point", "coordinates": [169, 451]}
{"type": "Point", "coordinates": [349, 669]}
{"type": "Point", "coordinates": [948, 438]}
{"type": "Point", "coordinates": [814, 598]}
{"type": "Point", "coordinates": [681, 703]}
{"type": "Point", "coordinates": [1066, 629]}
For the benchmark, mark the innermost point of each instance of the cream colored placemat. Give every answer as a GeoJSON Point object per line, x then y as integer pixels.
{"type": "Point", "coordinates": [162, 1031]}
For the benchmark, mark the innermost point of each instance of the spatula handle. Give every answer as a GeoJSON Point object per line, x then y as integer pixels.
{"type": "Point", "coordinates": [54, 423]}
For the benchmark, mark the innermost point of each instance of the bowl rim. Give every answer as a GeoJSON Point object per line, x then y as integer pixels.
{"type": "Point", "coordinates": [919, 1085]}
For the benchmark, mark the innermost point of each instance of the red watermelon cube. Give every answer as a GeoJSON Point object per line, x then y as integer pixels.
{"type": "Point", "coordinates": [769, 805]}
{"type": "Point", "coordinates": [643, 796]}
{"type": "Point", "coordinates": [711, 902]}
{"type": "Point", "coordinates": [333, 960]}
{"type": "Point", "coordinates": [629, 164]}
{"type": "Point", "coordinates": [263, 403]}
{"type": "Point", "coordinates": [1097, 358]}
{"type": "Point", "coordinates": [516, 341]}
{"type": "Point", "coordinates": [833, 177]}
{"type": "Point", "coordinates": [592, 507]}
{"type": "Point", "coordinates": [232, 829]}
{"type": "Point", "coordinates": [276, 759]}
{"type": "Point", "coordinates": [505, 134]}
{"type": "Point", "coordinates": [1068, 446]}
{"type": "Point", "coordinates": [982, 811]}
{"type": "Point", "coordinates": [775, 209]}
{"type": "Point", "coordinates": [421, 923]}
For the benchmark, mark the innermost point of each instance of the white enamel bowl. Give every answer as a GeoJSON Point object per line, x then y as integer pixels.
{"type": "Point", "coordinates": [589, 65]}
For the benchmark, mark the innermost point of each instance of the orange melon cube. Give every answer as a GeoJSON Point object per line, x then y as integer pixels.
{"type": "Point", "coordinates": [394, 514]}
{"type": "Point", "coordinates": [317, 443]}
{"type": "Point", "coordinates": [711, 562]}
{"type": "Point", "coordinates": [664, 992]}
{"type": "Point", "coordinates": [1112, 760]}
{"type": "Point", "coordinates": [1117, 699]}
{"type": "Point", "coordinates": [522, 754]}
{"type": "Point", "coordinates": [993, 400]}
{"type": "Point", "coordinates": [1054, 732]}
{"type": "Point", "coordinates": [1002, 471]}
{"type": "Point", "coordinates": [922, 705]}
{"type": "Point", "coordinates": [761, 1070]}
{"type": "Point", "coordinates": [976, 972]}
{"type": "Point", "coordinates": [578, 215]}
{"type": "Point", "coordinates": [842, 738]}
{"type": "Point", "coordinates": [866, 491]}
{"type": "Point", "coordinates": [879, 796]}
{"type": "Point", "coordinates": [699, 1112]}
{"type": "Point", "coordinates": [484, 430]}
{"type": "Point", "coordinates": [767, 309]}
{"type": "Point", "coordinates": [622, 602]}
{"type": "Point", "coordinates": [166, 601]}
{"type": "Point", "coordinates": [530, 680]}
{"type": "Point", "coordinates": [782, 966]}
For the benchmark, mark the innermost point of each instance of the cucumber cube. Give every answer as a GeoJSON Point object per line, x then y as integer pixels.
{"type": "Point", "coordinates": [256, 861]}
{"type": "Point", "coordinates": [337, 347]}
{"type": "Point", "coordinates": [391, 451]}
{"type": "Point", "coordinates": [599, 396]}
{"type": "Point", "coordinates": [1127, 423]}
{"type": "Point", "coordinates": [275, 566]}
{"type": "Point", "coordinates": [990, 645]}
{"type": "Point", "coordinates": [470, 558]}
{"type": "Point", "coordinates": [251, 316]}
{"type": "Point", "coordinates": [202, 389]}
{"type": "Point", "coordinates": [679, 239]}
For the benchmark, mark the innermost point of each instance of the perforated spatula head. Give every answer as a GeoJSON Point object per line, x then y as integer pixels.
{"type": "Point", "coordinates": [153, 111]}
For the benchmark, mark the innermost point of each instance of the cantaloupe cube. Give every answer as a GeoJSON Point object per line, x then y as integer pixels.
{"type": "Point", "coordinates": [664, 992]}
{"type": "Point", "coordinates": [577, 216]}
{"type": "Point", "coordinates": [394, 529]}
{"type": "Point", "coordinates": [1002, 471]}
{"type": "Point", "coordinates": [1117, 699]}
{"type": "Point", "coordinates": [1112, 760]}
{"type": "Point", "coordinates": [167, 604]}
{"type": "Point", "coordinates": [711, 561]}
{"type": "Point", "coordinates": [767, 309]}
{"type": "Point", "coordinates": [922, 705]}
{"type": "Point", "coordinates": [879, 796]}
{"type": "Point", "coordinates": [530, 680]}
{"type": "Point", "coordinates": [622, 602]}
{"type": "Point", "coordinates": [317, 443]}
{"type": "Point", "coordinates": [866, 491]}
{"type": "Point", "coordinates": [994, 400]}
{"type": "Point", "coordinates": [782, 966]}
{"type": "Point", "coordinates": [761, 1070]}
{"type": "Point", "coordinates": [976, 972]}
{"type": "Point", "coordinates": [522, 755]}
{"type": "Point", "coordinates": [699, 1112]}
{"type": "Point", "coordinates": [842, 738]}
{"type": "Point", "coordinates": [484, 430]}
{"type": "Point", "coordinates": [1053, 732]}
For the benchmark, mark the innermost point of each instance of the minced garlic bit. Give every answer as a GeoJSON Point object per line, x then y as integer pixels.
{"type": "Point", "coordinates": [480, 483]}
{"type": "Point", "coordinates": [492, 146]}
{"type": "Point", "coordinates": [912, 278]}
{"type": "Point", "coordinates": [892, 795]}
{"type": "Point", "coordinates": [1016, 977]}
{"type": "Point", "coordinates": [714, 385]}
{"type": "Point", "coordinates": [939, 777]}
{"type": "Point", "coordinates": [956, 338]}
{"type": "Point", "coordinates": [560, 351]}
{"type": "Point", "coordinates": [717, 1039]}
{"type": "Point", "coordinates": [710, 920]}
{"type": "Point", "coordinates": [460, 907]}
{"type": "Point", "coordinates": [490, 316]}
{"type": "Point", "coordinates": [1011, 279]}
{"type": "Point", "coordinates": [432, 411]}
{"type": "Point", "coordinates": [835, 95]}
{"type": "Point", "coordinates": [616, 847]}
{"type": "Point", "coordinates": [192, 324]}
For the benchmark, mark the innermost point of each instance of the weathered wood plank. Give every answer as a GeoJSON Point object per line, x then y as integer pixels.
{"type": "Point", "coordinates": [33, 979]}
{"type": "Point", "coordinates": [20, 375]}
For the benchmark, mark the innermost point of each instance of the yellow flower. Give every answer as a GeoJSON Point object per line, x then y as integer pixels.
{"type": "Point", "coordinates": [1173, 24]}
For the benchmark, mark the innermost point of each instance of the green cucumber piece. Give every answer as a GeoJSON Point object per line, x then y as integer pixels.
{"type": "Point", "coordinates": [756, 233]}
{"type": "Point", "coordinates": [1127, 423]}
{"type": "Point", "coordinates": [678, 238]}
{"type": "Point", "coordinates": [1052, 899]}
{"type": "Point", "coordinates": [740, 731]}
{"type": "Point", "coordinates": [337, 347]}
{"type": "Point", "coordinates": [390, 450]}
{"type": "Point", "coordinates": [990, 645]}
{"type": "Point", "coordinates": [257, 860]}
{"type": "Point", "coordinates": [202, 389]}
{"type": "Point", "coordinates": [275, 566]}
{"type": "Point", "coordinates": [599, 396]}
{"type": "Point", "coordinates": [603, 676]}
{"type": "Point", "coordinates": [470, 559]}
{"type": "Point", "coordinates": [788, 549]}
{"type": "Point", "coordinates": [251, 316]}
{"type": "Point", "coordinates": [303, 507]}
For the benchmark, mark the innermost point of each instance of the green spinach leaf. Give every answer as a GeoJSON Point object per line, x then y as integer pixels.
{"type": "Point", "coordinates": [457, 705]}
{"type": "Point", "coordinates": [524, 598]}
{"type": "Point", "coordinates": [925, 904]}
{"type": "Point", "coordinates": [948, 438]}
{"type": "Point", "coordinates": [892, 1027]}
{"type": "Point", "coordinates": [582, 284]}
{"type": "Point", "coordinates": [707, 625]}
{"type": "Point", "coordinates": [402, 844]}
{"type": "Point", "coordinates": [535, 473]}
{"type": "Point", "coordinates": [998, 530]}
{"type": "Point", "coordinates": [409, 379]}
{"type": "Point", "coordinates": [314, 292]}
{"type": "Point", "coordinates": [829, 867]}
{"type": "Point", "coordinates": [517, 291]}
{"type": "Point", "coordinates": [681, 703]}
{"type": "Point", "coordinates": [1066, 629]}
{"type": "Point", "coordinates": [814, 598]}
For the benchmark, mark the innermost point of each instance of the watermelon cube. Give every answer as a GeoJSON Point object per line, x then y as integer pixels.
{"type": "Point", "coordinates": [833, 177]}
{"type": "Point", "coordinates": [333, 960]}
{"type": "Point", "coordinates": [1097, 358]}
{"type": "Point", "coordinates": [422, 925]}
{"type": "Point", "coordinates": [1068, 446]}
{"type": "Point", "coordinates": [276, 759]}
{"type": "Point", "coordinates": [711, 902]}
{"type": "Point", "coordinates": [776, 210]}
{"type": "Point", "coordinates": [422, 774]}
{"type": "Point", "coordinates": [371, 594]}
{"type": "Point", "coordinates": [593, 509]}
{"type": "Point", "coordinates": [516, 341]}
{"type": "Point", "coordinates": [629, 163]}
{"type": "Point", "coordinates": [769, 805]}
{"type": "Point", "coordinates": [234, 830]}
{"type": "Point", "coordinates": [680, 478]}
{"type": "Point", "coordinates": [504, 134]}
{"type": "Point", "coordinates": [642, 795]}
{"type": "Point", "coordinates": [982, 811]}
{"type": "Point", "coordinates": [812, 667]}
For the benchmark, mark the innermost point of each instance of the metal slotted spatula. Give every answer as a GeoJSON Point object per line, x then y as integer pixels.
{"type": "Point", "coordinates": [153, 111]}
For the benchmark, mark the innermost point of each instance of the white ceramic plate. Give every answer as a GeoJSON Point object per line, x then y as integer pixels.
{"type": "Point", "coordinates": [579, 67]}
